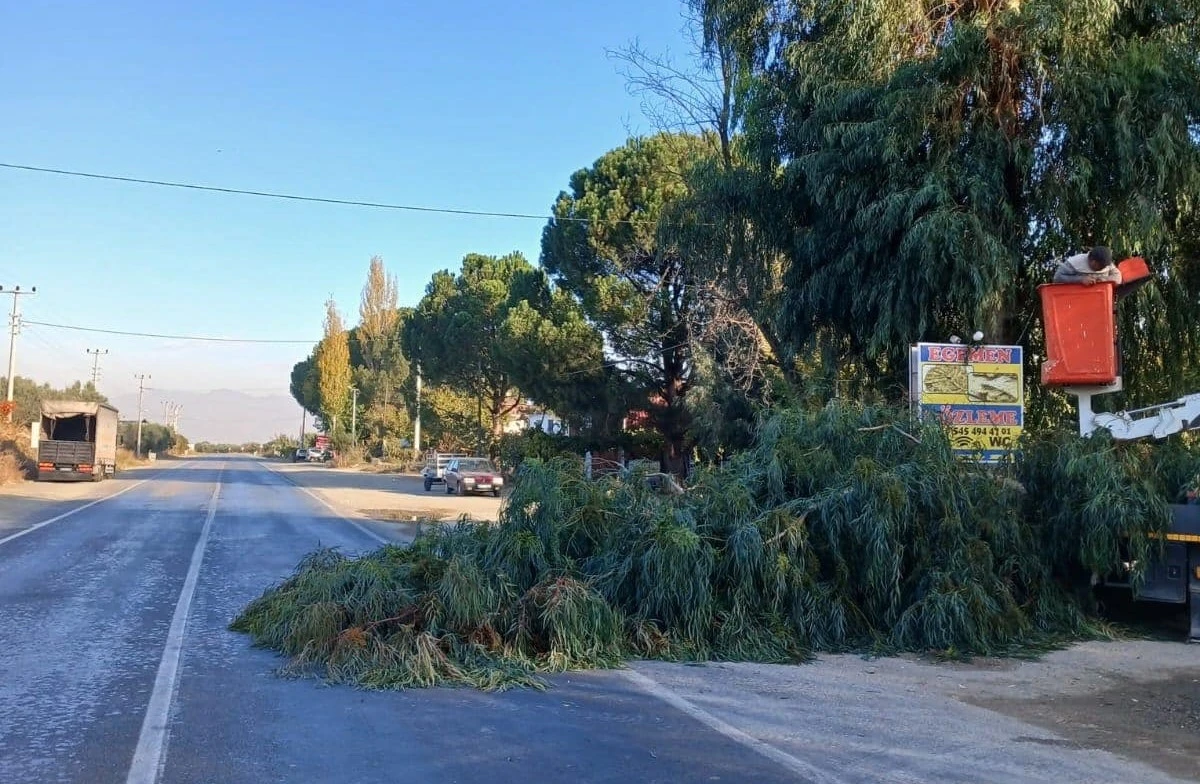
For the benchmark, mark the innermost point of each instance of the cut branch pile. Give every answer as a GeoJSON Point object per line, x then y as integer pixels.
{"type": "Point", "coordinates": [844, 529]}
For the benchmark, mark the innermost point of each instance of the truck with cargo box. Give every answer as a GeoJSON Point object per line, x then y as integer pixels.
{"type": "Point", "coordinates": [76, 441]}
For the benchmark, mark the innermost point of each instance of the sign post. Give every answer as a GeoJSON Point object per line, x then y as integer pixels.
{"type": "Point", "coordinates": [976, 391]}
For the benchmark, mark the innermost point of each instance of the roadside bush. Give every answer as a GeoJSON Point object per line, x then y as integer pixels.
{"type": "Point", "coordinates": [14, 468]}
{"type": "Point", "coordinates": [532, 444]}
{"type": "Point", "coordinates": [846, 528]}
{"type": "Point", "coordinates": [516, 448]}
{"type": "Point", "coordinates": [348, 458]}
{"type": "Point", "coordinates": [127, 459]}
{"type": "Point", "coordinates": [17, 461]}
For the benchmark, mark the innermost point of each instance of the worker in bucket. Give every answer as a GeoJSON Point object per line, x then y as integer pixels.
{"type": "Point", "coordinates": [1095, 266]}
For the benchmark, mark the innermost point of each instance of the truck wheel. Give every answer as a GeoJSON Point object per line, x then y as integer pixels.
{"type": "Point", "coordinates": [449, 489]}
{"type": "Point", "coordinates": [496, 492]}
{"type": "Point", "coordinates": [428, 485]}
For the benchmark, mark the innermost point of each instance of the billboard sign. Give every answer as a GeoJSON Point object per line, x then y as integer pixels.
{"type": "Point", "coordinates": [976, 391]}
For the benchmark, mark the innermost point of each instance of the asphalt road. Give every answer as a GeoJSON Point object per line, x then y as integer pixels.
{"type": "Point", "coordinates": [116, 665]}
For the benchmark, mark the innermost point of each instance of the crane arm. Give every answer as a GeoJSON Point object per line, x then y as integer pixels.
{"type": "Point", "coordinates": [1158, 421]}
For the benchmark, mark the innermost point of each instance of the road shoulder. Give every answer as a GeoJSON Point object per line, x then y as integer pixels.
{"type": "Point", "coordinates": [903, 719]}
{"type": "Point", "coordinates": [396, 502]}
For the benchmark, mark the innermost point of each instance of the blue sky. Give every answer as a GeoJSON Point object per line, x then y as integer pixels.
{"type": "Point", "coordinates": [461, 104]}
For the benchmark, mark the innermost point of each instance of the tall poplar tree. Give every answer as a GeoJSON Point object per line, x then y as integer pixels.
{"type": "Point", "coordinates": [333, 370]}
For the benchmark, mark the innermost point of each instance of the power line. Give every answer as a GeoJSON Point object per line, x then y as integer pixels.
{"type": "Point", "coordinates": [206, 339]}
{"type": "Point", "coordinates": [294, 197]}
{"type": "Point", "coordinates": [201, 338]}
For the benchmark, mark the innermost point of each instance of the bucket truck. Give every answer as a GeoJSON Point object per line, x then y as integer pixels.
{"type": "Point", "coordinates": [1083, 358]}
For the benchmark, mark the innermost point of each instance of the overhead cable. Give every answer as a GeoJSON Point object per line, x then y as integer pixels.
{"type": "Point", "coordinates": [295, 197]}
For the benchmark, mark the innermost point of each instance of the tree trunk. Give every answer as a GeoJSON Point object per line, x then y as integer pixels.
{"type": "Point", "coordinates": [674, 458]}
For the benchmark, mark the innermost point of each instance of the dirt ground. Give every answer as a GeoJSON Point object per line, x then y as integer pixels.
{"type": "Point", "coordinates": [1156, 722]}
{"type": "Point", "coordinates": [1125, 711]}
{"type": "Point", "coordinates": [387, 497]}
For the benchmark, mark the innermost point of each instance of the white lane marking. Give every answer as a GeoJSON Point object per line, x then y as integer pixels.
{"type": "Point", "coordinates": [79, 509]}
{"type": "Point", "coordinates": [330, 507]}
{"type": "Point", "coordinates": [794, 764]}
{"type": "Point", "coordinates": [149, 756]}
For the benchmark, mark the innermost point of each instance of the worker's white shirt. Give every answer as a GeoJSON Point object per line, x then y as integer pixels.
{"type": "Point", "coordinates": [1079, 263]}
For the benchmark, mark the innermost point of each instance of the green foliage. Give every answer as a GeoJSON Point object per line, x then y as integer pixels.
{"type": "Point", "coordinates": [844, 528]}
{"type": "Point", "coordinates": [908, 171]}
{"type": "Point", "coordinates": [497, 331]}
{"type": "Point", "coordinates": [279, 446]}
{"type": "Point", "coordinates": [604, 245]}
{"type": "Point", "coordinates": [450, 420]}
{"type": "Point", "coordinates": [334, 374]}
{"type": "Point", "coordinates": [156, 438]}
{"type": "Point", "coordinates": [534, 444]}
{"type": "Point", "coordinates": [303, 383]}
{"type": "Point", "coordinates": [28, 396]}
{"type": "Point", "coordinates": [380, 368]}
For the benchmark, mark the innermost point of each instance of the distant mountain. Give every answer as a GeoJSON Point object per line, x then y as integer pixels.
{"type": "Point", "coordinates": [222, 416]}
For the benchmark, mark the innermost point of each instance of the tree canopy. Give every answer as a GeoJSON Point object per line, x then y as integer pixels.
{"type": "Point", "coordinates": [829, 184]}
{"type": "Point", "coordinates": [334, 374]}
{"type": "Point", "coordinates": [29, 394]}
{"type": "Point", "coordinates": [498, 332]}
{"type": "Point", "coordinates": [923, 166]}
{"type": "Point", "coordinates": [606, 245]}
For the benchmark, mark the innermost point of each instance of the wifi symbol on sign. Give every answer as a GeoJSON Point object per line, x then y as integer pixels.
{"type": "Point", "coordinates": [963, 441]}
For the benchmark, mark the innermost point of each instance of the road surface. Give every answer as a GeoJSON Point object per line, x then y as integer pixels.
{"type": "Point", "coordinates": [116, 665]}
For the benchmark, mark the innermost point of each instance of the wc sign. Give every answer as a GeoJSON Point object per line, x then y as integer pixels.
{"type": "Point", "coordinates": [977, 392]}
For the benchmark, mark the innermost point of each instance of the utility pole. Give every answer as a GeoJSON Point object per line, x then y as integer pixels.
{"type": "Point", "coordinates": [354, 415]}
{"type": "Point", "coordinates": [171, 411]}
{"type": "Point", "coordinates": [417, 423]}
{"type": "Point", "coordinates": [479, 417]}
{"type": "Point", "coordinates": [303, 425]}
{"type": "Point", "coordinates": [14, 328]}
{"type": "Point", "coordinates": [96, 354]}
{"type": "Point", "coordinates": [141, 389]}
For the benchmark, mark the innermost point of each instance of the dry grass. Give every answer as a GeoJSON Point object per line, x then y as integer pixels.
{"type": "Point", "coordinates": [13, 468]}
{"type": "Point", "coordinates": [410, 515]}
{"type": "Point", "coordinates": [17, 461]}
{"type": "Point", "coordinates": [126, 460]}
{"type": "Point", "coordinates": [349, 458]}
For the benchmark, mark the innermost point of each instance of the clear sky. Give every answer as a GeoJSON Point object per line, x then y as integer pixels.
{"type": "Point", "coordinates": [461, 103]}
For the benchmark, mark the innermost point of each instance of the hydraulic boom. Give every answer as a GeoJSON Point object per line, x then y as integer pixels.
{"type": "Point", "coordinates": [1157, 421]}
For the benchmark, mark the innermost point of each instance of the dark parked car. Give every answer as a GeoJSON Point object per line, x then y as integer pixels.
{"type": "Point", "coordinates": [472, 475]}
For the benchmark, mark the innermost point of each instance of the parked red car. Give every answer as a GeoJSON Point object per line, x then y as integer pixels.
{"type": "Point", "coordinates": [472, 475]}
